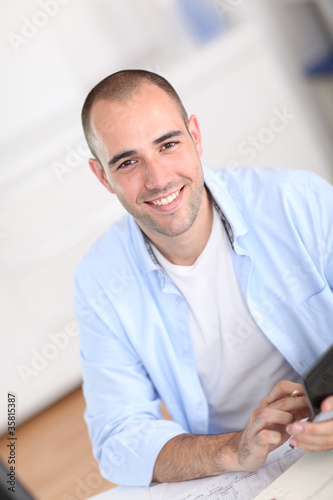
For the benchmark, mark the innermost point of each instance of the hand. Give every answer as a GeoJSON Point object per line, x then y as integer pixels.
{"type": "Point", "coordinates": [190, 456]}
{"type": "Point", "coordinates": [266, 428]}
{"type": "Point", "coordinates": [313, 436]}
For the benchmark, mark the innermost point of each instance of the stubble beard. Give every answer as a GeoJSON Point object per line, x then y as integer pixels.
{"type": "Point", "coordinates": [171, 229]}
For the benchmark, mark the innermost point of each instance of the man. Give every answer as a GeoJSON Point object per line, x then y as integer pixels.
{"type": "Point", "coordinates": [214, 294]}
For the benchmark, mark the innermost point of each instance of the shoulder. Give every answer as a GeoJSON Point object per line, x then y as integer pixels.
{"type": "Point", "coordinates": [256, 178]}
{"type": "Point", "coordinates": [252, 182]}
{"type": "Point", "coordinates": [264, 196]}
{"type": "Point", "coordinates": [106, 253]}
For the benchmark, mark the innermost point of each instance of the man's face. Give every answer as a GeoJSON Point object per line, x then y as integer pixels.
{"type": "Point", "coordinates": [150, 159]}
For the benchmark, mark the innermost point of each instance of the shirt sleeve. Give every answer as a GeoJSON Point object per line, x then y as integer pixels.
{"type": "Point", "coordinates": [123, 408]}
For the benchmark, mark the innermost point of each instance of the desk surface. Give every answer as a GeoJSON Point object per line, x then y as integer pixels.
{"type": "Point", "coordinates": [311, 476]}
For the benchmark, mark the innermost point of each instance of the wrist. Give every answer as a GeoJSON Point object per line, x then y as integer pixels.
{"type": "Point", "coordinates": [227, 455]}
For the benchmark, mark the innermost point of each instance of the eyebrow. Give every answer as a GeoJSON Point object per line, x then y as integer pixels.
{"type": "Point", "coordinates": [119, 157]}
{"type": "Point", "coordinates": [126, 154]}
{"type": "Point", "coordinates": [168, 135]}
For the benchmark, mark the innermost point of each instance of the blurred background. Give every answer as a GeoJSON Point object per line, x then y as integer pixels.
{"type": "Point", "coordinates": [258, 75]}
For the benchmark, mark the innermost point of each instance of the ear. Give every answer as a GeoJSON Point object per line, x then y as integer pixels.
{"type": "Point", "coordinates": [193, 126]}
{"type": "Point", "coordinates": [98, 170]}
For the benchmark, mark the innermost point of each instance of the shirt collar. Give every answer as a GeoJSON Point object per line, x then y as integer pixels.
{"type": "Point", "coordinates": [219, 185]}
{"type": "Point", "coordinates": [143, 248]}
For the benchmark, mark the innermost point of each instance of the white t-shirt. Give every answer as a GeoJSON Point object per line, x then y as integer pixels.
{"type": "Point", "coordinates": [236, 363]}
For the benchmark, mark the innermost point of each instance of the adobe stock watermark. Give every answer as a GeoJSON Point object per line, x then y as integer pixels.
{"type": "Point", "coordinates": [71, 161]}
{"type": "Point", "coordinates": [84, 488]}
{"type": "Point", "coordinates": [256, 143]}
{"type": "Point", "coordinates": [30, 27]}
{"type": "Point", "coordinates": [77, 153]}
{"type": "Point", "coordinates": [119, 280]}
{"type": "Point", "coordinates": [132, 437]}
{"type": "Point", "coordinates": [117, 283]}
{"type": "Point", "coordinates": [40, 358]}
{"type": "Point", "coordinates": [292, 280]}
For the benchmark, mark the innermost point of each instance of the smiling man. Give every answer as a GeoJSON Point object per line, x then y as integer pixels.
{"type": "Point", "coordinates": [213, 294]}
{"type": "Point", "coordinates": [159, 180]}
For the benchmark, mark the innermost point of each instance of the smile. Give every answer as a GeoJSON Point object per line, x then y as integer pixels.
{"type": "Point", "coordinates": [167, 200]}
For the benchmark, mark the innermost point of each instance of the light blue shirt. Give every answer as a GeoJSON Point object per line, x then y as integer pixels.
{"type": "Point", "coordinates": [136, 347]}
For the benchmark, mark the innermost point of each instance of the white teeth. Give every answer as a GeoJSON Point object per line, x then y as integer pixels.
{"type": "Point", "coordinates": [166, 201]}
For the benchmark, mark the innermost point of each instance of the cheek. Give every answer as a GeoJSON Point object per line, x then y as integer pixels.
{"type": "Point", "coordinates": [130, 185]}
{"type": "Point", "coordinates": [192, 154]}
{"type": "Point", "coordinates": [191, 164]}
{"type": "Point", "coordinates": [127, 191]}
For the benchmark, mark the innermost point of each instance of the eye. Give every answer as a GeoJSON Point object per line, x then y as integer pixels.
{"type": "Point", "coordinates": [126, 164]}
{"type": "Point", "coordinates": [169, 145]}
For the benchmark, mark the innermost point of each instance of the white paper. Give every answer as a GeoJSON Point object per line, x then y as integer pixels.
{"type": "Point", "coordinates": [310, 478]}
{"type": "Point", "coordinates": [234, 485]}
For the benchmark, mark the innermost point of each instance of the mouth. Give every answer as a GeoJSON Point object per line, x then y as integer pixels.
{"type": "Point", "coordinates": [166, 200]}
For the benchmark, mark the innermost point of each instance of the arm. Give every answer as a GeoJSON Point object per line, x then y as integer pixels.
{"type": "Point", "coordinates": [123, 408]}
{"type": "Point", "coordinates": [190, 457]}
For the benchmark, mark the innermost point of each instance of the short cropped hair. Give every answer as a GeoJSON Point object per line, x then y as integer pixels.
{"type": "Point", "coordinates": [121, 86]}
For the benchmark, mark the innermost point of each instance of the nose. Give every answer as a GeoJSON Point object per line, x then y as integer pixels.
{"type": "Point", "coordinates": [157, 174]}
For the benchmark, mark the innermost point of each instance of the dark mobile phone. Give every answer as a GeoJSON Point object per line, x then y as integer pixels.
{"type": "Point", "coordinates": [318, 384]}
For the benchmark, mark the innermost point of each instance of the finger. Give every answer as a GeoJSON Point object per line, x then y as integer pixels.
{"type": "Point", "coordinates": [268, 418]}
{"type": "Point", "coordinates": [282, 389]}
{"type": "Point", "coordinates": [327, 404]}
{"type": "Point", "coordinates": [298, 407]}
{"type": "Point", "coordinates": [290, 403]}
{"type": "Point", "coordinates": [311, 436]}
{"type": "Point", "coordinates": [312, 443]}
{"type": "Point", "coordinates": [311, 428]}
{"type": "Point", "coordinates": [268, 438]}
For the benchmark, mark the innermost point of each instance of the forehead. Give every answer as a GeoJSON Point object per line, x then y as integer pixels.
{"type": "Point", "coordinates": [147, 109]}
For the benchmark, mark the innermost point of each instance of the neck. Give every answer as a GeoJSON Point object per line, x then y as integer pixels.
{"type": "Point", "coordinates": [184, 249]}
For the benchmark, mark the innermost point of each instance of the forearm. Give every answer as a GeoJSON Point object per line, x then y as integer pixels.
{"type": "Point", "coordinates": [189, 456]}
{"type": "Point", "coordinates": [192, 457]}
